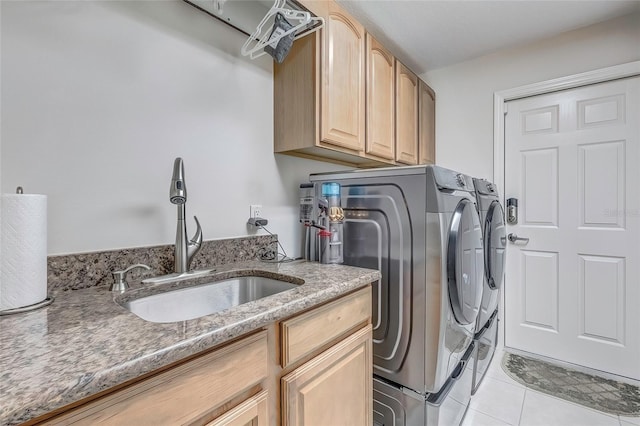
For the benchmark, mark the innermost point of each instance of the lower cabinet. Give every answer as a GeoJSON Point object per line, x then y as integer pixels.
{"type": "Point", "coordinates": [314, 368]}
{"type": "Point", "coordinates": [252, 412]}
{"type": "Point", "coordinates": [335, 388]}
{"type": "Point", "coordinates": [184, 394]}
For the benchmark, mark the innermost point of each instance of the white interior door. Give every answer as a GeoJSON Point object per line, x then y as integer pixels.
{"type": "Point", "coordinates": [572, 292]}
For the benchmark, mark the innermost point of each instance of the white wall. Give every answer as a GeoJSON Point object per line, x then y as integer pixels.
{"type": "Point", "coordinates": [99, 98]}
{"type": "Point", "coordinates": [464, 92]}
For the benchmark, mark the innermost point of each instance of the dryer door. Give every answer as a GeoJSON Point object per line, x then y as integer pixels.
{"type": "Point", "coordinates": [494, 246]}
{"type": "Point", "coordinates": [464, 271]}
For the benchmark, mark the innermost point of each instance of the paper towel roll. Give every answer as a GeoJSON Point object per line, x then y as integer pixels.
{"type": "Point", "coordinates": [23, 256]}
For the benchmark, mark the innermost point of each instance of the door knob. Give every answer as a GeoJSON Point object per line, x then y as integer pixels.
{"type": "Point", "coordinates": [514, 238]}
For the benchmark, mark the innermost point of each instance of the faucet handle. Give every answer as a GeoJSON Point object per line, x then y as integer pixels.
{"type": "Point", "coordinates": [197, 237]}
{"type": "Point", "coordinates": [120, 278]}
{"type": "Point", "coordinates": [195, 244]}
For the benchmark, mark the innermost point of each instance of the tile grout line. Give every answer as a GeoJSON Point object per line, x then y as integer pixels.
{"type": "Point", "coordinates": [493, 417]}
{"type": "Point", "coordinates": [522, 406]}
{"type": "Point", "coordinates": [481, 410]}
{"type": "Point", "coordinates": [508, 381]}
{"type": "Point", "coordinates": [620, 420]}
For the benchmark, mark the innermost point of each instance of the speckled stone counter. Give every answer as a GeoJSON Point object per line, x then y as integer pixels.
{"type": "Point", "coordinates": [85, 342]}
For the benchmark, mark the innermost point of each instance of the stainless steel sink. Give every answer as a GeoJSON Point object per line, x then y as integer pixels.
{"type": "Point", "coordinates": [183, 304]}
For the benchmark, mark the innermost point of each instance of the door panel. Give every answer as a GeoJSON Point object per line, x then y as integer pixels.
{"type": "Point", "coordinates": [598, 189]}
{"type": "Point", "coordinates": [406, 115]}
{"type": "Point", "coordinates": [252, 412]}
{"type": "Point", "coordinates": [540, 296]}
{"type": "Point", "coordinates": [342, 95]}
{"type": "Point", "coordinates": [426, 124]}
{"type": "Point", "coordinates": [540, 120]}
{"type": "Point", "coordinates": [572, 291]}
{"type": "Point", "coordinates": [601, 307]}
{"type": "Point", "coordinates": [608, 110]}
{"type": "Point", "coordinates": [334, 388]}
{"type": "Point", "coordinates": [380, 100]}
{"type": "Point", "coordinates": [540, 184]}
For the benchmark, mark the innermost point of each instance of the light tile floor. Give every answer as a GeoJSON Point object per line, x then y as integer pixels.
{"type": "Point", "coordinates": [502, 401]}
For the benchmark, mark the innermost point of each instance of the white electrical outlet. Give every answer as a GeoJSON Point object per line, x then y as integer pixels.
{"type": "Point", "coordinates": [255, 210]}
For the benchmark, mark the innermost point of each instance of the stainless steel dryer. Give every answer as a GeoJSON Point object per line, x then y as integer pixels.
{"type": "Point", "coordinates": [419, 226]}
{"type": "Point", "coordinates": [494, 239]}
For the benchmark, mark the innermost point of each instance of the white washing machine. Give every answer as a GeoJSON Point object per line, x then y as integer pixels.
{"type": "Point", "coordinates": [494, 242]}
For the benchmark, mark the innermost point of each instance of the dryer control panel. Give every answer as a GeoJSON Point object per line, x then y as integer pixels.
{"type": "Point", "coordinates": [485, 187]}
{"type": "Point", "coordinates": [449, 179]}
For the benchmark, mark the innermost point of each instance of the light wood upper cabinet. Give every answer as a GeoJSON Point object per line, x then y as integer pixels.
{"type": "Point", "coordinates": [406, 115]}
{"type": "Point", "coordinates": [340, 96]}
{"type": "Point", "coordinates": [426, 124]}
{"type": "Point", "coordinates": [342, 93]}
{"type": "Point", "coordinates": [380, 100]}
{"type": "Point", "coordinates": [319, 90]}
{"type": "Point", "coordinates": [335, 388]}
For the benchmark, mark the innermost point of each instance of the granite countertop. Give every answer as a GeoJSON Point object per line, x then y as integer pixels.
{"type": "Point", "coordinates": [85, 343]}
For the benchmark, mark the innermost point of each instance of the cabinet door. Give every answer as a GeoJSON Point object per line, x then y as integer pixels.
{"type": "Point", "coordinates": [182, 394]}
{"type": "Point", "coordinates": [335, 388]}
{"type": "Point", "coordinates": [380, 99]}
{"type": "Point", "coordinates": [342, 80]}
{"type": "Point", "coordinates": [307, 333]}
{"type": "Point", "coordinates": [426, 124]}
{"type": "Point", "coordinates": [406, 115]}
{"type": "Point", "coordinates": [252, 412]}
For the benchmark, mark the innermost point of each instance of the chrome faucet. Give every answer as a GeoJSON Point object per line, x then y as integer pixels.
{"type": "Point", "coordinates": [184, 250]}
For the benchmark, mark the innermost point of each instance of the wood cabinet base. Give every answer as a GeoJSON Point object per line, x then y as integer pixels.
{"type": "Point", "coordinates": [324, 354]}
{"type": "Point", "coordinates": [334, 388]}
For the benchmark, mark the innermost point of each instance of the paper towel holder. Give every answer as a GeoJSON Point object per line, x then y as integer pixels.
{"type": "Point", "coordinates": [45, 302]}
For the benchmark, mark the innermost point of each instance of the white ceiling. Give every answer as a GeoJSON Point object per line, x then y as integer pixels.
{"type": "Point", "coordinates": [431, 34]}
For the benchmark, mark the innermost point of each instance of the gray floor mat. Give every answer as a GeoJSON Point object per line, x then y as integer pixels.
{"type": "Point", "coordinates": [609, 396]}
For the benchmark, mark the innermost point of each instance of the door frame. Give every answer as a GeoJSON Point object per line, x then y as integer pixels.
{"type": "Point", "coordinates": [630, 69]}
